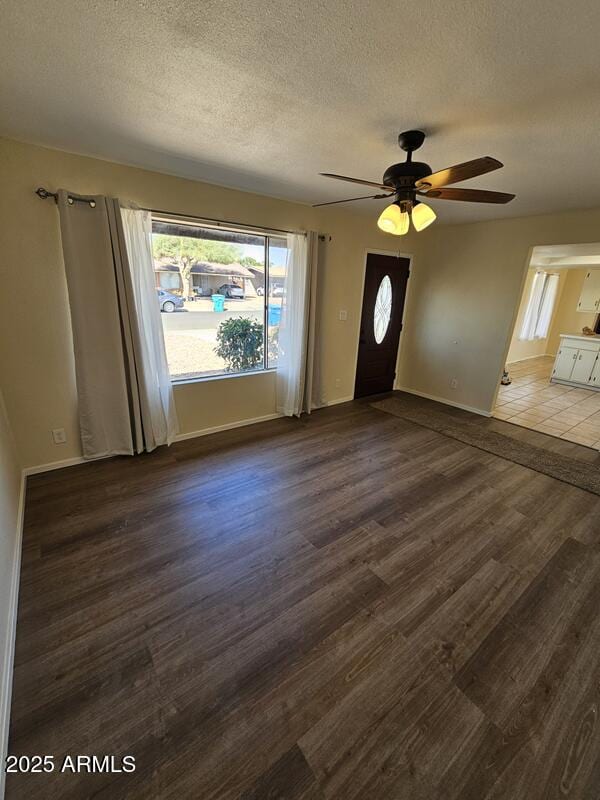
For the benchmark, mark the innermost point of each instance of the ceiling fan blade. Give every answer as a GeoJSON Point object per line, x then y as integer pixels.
{"type": "Point", "coordinates": [350, 199]}
{"type": "Point", "coordinates": [470, 195]}
{"type": "Point", "coordinates": [459, 172]}
{"type": "Point", "coordinates": [357, 180]}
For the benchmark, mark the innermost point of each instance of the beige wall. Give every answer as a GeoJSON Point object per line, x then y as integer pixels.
{"type": "Point", "coordinates": [464, 298]}
{"type": "Point", "coordinates": [465, 286]}
{"type": "Point", "coordinates": [567, 319]}
{"type": "Point", "coordinates": [10, 522]}
{"type": "Point", "coordinates": [518, 349]}
{"type": "Point", "coordinates": [35, 342]}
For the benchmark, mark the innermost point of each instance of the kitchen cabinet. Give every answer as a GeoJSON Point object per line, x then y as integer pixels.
{"type": "Point", "coordinates": [595, 380]}
{"type": "Point", "coordinates": [578, 361]}
{"type": "Point", "coordinates": [565, 361]}
{"type": "Point", "coordinates": [589, 299]}
{"type": "Point", "coordinates": [584, 366]}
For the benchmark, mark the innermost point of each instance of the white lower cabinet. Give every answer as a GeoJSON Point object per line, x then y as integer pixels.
{"type": "Point", "coordinates": [565, 361]}
{"type": "Point", "coordinates": [578, 361]}
{"type": "Point", "coordinates": [584, 366]}
{"type": "Point", "coordinates": [595, 381]}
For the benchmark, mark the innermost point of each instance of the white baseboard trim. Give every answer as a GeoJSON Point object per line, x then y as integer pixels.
{"type": "Point", "coordinates": [11, 632]}
{"type": "Point", "coordinates": [66, 462]}
{"type": "Point", "coordinates": [335, 402]}
{"type": "Point", "coordinates": [445, 401]}
{"type": "Point", "coordinates": [228, 426]}
{"type": "Point", "coordinates": [529, 358]}
{"type": "Point", "coordinates": [71, 462]}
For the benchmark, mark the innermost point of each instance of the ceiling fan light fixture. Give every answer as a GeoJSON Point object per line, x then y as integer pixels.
{"type": "Point", "coordinates": [410, 178]}
{"type": "Point", "coordinates": [394, 220]}
{"type": "Point", "coordinates": [422, 216]}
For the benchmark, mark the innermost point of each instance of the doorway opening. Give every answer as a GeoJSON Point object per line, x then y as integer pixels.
{"type": "Point", "coordinates": [552, 375]}
{"type": "Point", "coordinates": [384, 295]}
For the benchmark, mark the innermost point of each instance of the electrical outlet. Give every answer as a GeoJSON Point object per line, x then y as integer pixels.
{"type": "Point", "coordinates": [343, 315]}
{"type": "Point", "coordinates": [59, 435]}
{"type": "Point", "coordinates": [454, 383]}
{"type": "Point", "coordinates": [338, 383]}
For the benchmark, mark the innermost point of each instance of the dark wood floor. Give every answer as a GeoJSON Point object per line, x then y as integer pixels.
{"type": "Point", "coordinates": [345, 607]}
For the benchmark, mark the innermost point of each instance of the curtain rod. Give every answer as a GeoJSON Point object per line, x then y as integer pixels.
{"type": "Point", "coordinates": [44, 194]}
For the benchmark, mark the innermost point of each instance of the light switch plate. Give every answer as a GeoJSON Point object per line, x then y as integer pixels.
{"type": "Point", "coordinates": [343, 315]}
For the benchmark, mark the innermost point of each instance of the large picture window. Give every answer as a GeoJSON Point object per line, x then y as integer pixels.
{"type": "Point", "coordinates": [220, 292]}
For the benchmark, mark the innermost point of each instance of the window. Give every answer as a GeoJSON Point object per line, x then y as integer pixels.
{"type": "Point", "coordinates": [220, 292]}
{"type": "Point", "coordinates": [383, 309]}
{"type": "Point", "coordinates": [538, 315]}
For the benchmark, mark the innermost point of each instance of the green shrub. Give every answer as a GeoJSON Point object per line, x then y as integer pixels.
{"type": "Point", "coordinates": [240, 343]}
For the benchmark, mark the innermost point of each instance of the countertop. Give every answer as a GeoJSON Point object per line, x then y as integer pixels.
{"type": "Point", "coordinates": [595, 337]}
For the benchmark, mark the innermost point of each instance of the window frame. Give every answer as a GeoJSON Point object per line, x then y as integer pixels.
{"type": "Point", "coordinates": [215, 225]}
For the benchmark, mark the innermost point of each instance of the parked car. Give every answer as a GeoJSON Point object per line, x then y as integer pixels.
{"type": "Point", "coordinates": [168, 302]}
{"type": "Point", "coordinates": [231, 290]}
{"type": "Point", "coordinates": [276, 290]}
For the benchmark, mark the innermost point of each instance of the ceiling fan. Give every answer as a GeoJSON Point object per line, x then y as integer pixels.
{"type": "Point", "coordinates": [412, 179]}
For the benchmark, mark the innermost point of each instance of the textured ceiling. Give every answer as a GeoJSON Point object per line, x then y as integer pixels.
{"type": "Point", "coordinates": [263, 95]}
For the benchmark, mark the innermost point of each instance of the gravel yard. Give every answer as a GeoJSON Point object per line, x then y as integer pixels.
{"type": "Point", "coordinates": [191, 334]}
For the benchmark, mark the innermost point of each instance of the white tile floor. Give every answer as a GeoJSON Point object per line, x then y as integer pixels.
{"type": "Point", "coordinates": [533, 402]}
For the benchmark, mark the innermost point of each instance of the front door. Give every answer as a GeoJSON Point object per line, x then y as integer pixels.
{"type": "Point", "coordinates": [381, 323]}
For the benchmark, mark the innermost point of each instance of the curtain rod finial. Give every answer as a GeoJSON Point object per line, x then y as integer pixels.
{"type": "Point", "coordinates": [44, 193]}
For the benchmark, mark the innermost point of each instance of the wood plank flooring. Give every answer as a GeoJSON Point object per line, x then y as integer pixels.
{"type": "Point", "coordinates": [348, 606]}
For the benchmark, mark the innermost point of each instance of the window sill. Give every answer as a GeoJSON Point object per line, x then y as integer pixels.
{"type": "Point", "coordinates": [224, 376]}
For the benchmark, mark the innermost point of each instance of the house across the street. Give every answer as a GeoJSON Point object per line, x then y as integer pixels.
{"type": "Point", "coordinates": [206, 277]}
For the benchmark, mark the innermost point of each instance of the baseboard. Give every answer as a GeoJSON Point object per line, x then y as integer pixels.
{"type": "Point", "coordinates": [66, 462]}
{"type": "Point", "coordinates": [445, 401]}
{"type": "Point", "coordinates": [11, 630]}
{"type": "Point", "coordinates": [335, 402]}
{"type": "Point", "coordinates": [228, 426]}
{"type": "Point", "coordinates": [71, 462]}
{"type": "Point", "coordinates": [530, 358]}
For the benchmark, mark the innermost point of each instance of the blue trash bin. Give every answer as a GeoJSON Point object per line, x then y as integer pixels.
{"type": "Point", "coordinates": [274, 314]}
{"type": "Point", "coordinates": [218, 302]}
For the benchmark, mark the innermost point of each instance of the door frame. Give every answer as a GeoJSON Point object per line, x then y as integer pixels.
{"type": "Point", "coordinates": [509, 334]}
{"type": "Point", "coordinates": [395, 254]}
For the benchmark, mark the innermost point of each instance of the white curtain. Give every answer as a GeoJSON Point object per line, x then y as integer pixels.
{"type": "Point", "coordinates": [546, 307]}
{"type": "Point", "coordinates": [124, 393]}
{"type": "Point", "coordinates": [157, 404]}
{"type": "Point", "coordinates": [538, 314]}
{"type": "Point", "coordinates": [297, 371]}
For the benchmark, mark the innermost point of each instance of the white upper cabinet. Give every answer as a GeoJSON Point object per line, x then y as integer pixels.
{"type": "Point", "coordinates": [589, 299]}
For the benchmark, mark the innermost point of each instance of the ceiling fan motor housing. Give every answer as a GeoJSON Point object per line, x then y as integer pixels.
{"type": "Point", "coordinates": [402, 177]}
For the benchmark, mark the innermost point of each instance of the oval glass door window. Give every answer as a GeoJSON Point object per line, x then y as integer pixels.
{"type": "Point", "coordinates": [383, 309]}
